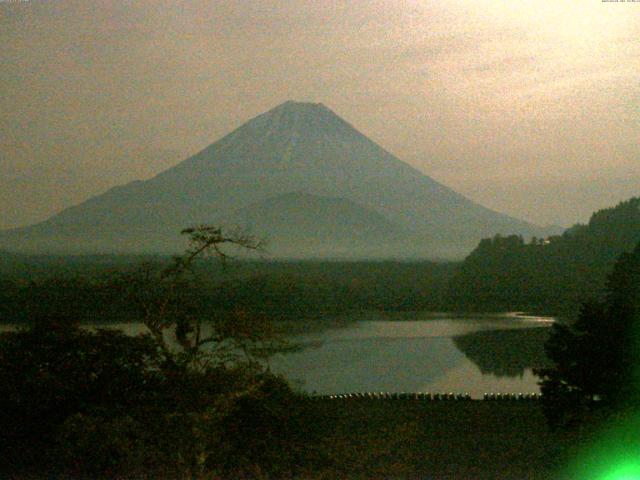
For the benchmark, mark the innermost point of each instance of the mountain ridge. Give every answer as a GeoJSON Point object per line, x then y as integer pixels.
{"type": "Point", "coordinates": [296, 146]}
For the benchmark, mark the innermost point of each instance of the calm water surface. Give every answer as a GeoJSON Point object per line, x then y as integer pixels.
{"type": "Point", "coordinates": [429, 354]}
{"type": "Point", "coordinates": [420, 353]}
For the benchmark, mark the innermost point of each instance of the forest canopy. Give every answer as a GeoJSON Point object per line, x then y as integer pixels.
{"type": "Point", "coordinates": [554, 275]}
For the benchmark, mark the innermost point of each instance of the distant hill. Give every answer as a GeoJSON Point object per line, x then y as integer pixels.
{"type": "Point", "coordinates": [302, 214]}
{"type": "Point", "coordinates": [293, 149]}
{"type": "Point", "coordinates": [301, 224]}
{"type": "Point", "coordinates": [554, 274]}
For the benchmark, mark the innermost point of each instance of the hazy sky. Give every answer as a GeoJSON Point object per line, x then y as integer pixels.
{"type": "Point", "coordinates": [530, 107]}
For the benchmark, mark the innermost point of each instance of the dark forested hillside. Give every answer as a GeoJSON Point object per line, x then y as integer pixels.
{"type": "Point", "coordinates": [554, 274]}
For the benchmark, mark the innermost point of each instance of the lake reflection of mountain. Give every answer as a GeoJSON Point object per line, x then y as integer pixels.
{"type": "Point", "coordinates": [505, 353]}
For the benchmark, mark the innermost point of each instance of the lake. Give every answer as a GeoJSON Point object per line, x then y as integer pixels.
{"type": "Point", "coordinates": [419, 352]}
{"type": "Point", "coordinates": [430, 353]}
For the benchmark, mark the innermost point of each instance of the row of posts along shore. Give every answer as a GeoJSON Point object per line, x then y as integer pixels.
{"type": "Point", "coordinates": [521, 397]}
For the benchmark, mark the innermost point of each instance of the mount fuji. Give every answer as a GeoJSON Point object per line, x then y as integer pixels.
{"type": "Point", "coordinates": [298, 175]}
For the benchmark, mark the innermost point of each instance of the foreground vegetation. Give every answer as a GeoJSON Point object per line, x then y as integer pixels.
{"type": "Point", "coordinates": [438, 440]}
{"type": "Point", "coordinates": [191, 399]}
{"type": "Point", "coordinates": [187, 399]}
{"type": "Point", "coordinates": [596, 361]}
{"type": "Point", "coordinates": [77, 404]}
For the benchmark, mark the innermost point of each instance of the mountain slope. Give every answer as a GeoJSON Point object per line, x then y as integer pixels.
{"type": "Point", "coordinates": [304, 225]}
{"type": "Point", "coordinates": [295, 147]}
{"type": "Point", "coordinates": [304, 215]}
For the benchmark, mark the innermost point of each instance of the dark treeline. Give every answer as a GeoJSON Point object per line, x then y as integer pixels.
{"type": "Point", "coordinates": [286, 290]}
{"type": "Point", "coordinates": [303, 288]}
{"type": "Point", "coordinates": [551, 275]}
